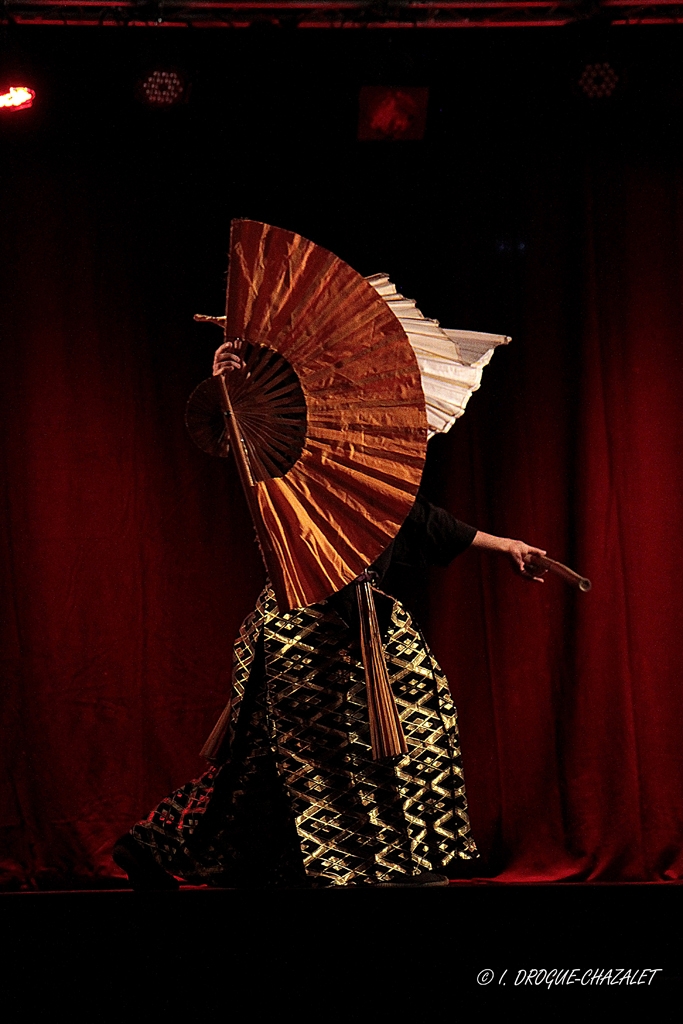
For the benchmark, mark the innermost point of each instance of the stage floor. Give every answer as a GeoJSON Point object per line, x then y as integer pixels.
{"type": "Point", "coordinates": [348, 954]}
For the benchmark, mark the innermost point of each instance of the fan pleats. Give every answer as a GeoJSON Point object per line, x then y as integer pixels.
{"type": "Point", "coordinates": [451, 362]}
{"type": "Point", "coordinates": [332, 381]}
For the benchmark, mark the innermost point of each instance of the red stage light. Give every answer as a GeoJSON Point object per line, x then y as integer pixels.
{"type": "Point", "coordinates": [162, 88]}
{"type": "Point", "coordinates": [17, 97]}
{"type": "Point", "coordinates": [390, 113]}
{"type": "Point", "coordinates": [598, 81]}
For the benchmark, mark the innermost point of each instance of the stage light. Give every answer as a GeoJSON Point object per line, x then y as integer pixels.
{"type": "Point", "coordinates": [163, 88]}
{"type": "Point", "coordinates": [509, 246]}
{"type": "Point", "coordinates": [598, 81]}
{"type": "Point", "coordinates": [392, 114]}
{"type": "Point", "coordinates": [17, 97]}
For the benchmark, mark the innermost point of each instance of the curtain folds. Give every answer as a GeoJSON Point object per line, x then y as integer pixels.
{"type": "Point", "coordinates": [128, 559]}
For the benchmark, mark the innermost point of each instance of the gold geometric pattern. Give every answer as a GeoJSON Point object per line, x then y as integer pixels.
{"type": "Point", "coordinates": [357, 820]}
{"type": "Point", "coordinates": [300, 801]}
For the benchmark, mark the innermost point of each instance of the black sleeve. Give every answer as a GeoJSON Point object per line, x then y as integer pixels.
{"type": "Point", "coordinates": [431, 536]}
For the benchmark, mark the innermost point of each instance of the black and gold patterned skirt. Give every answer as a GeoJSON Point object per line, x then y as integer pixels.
{"type": "Point", "coordinates": [299, 800]}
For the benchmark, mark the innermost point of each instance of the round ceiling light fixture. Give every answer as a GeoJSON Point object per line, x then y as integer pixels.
{"type": "Point", "coordinates": [163, 88]}
{"type": "Point", "coordinates": [598, 81]}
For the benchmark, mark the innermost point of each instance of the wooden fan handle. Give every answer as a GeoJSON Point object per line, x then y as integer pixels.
{"type": "Point", "coordinates": [211, 749]}
{"type": "Point", "coordinates": [567, 574]}
{"type": "Point", "coordinates": [386, 732]}
{"type": "Point", "coordinates": [247, 480]}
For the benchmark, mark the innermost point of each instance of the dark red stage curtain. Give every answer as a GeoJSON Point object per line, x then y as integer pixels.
{"type": "Point", "coordinates": [570, 704]}
{"type": "Point", "coordinates": [129, 561]}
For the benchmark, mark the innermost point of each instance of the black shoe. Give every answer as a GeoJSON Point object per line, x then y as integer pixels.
{"type": "Point", "coordinates": [422, 879]}
{"type": "Point", "coordinates": [144, 874]}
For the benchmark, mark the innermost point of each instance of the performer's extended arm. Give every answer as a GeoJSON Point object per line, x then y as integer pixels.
{"type": "Point", "coordinates": [516, 550]}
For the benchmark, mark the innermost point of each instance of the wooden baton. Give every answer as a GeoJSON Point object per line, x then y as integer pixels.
{"type": "Point", "coordinates": [567, 574]}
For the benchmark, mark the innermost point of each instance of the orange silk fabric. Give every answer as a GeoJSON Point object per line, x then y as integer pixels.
{"type": "Point", "coordinates": [344, 500]}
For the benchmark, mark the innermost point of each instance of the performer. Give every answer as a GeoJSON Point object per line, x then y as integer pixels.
{"type": "Point", "coordinates": [294, 797]}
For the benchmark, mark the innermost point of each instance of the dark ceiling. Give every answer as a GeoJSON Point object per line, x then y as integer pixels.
{"type": "Point", "coordinates": [302, 14]}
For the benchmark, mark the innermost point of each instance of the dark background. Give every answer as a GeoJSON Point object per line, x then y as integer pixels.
{"type": "Point", "coordinates": [128, 558]}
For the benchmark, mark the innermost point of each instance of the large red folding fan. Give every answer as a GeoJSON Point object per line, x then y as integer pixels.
{"type": "Point", "coordinates": [327, 421]}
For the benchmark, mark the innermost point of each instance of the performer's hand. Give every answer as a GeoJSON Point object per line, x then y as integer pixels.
{"type": "Point", "coordinates": [519, 553]}
{"type": "Point", "coordinates": [226, 359]}
{"type": "Point", "coordinates": [522, 556]}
